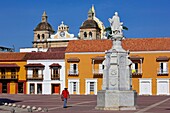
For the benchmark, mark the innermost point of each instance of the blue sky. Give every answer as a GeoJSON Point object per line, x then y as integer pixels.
{"type": "Point", "coordinates": [18, 18]}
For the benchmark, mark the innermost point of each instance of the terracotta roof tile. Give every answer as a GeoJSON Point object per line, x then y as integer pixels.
{"type": "Point", "coordinates": [88, 45]}
{"type": "Point", "coordinates": [12, 56]}
{"type": "Point", "coordinates": [9, 65]}
{"type": "Point", "coordinates": [132, 44]}
{"type": "Point", "coordinates": [45, 55]}
{"type": "Point", "coordinates": [56, 49]}
{"type": "Point", "coordinates": [55, 65]}
{"type": "Point", "coordinates": [34, 65]}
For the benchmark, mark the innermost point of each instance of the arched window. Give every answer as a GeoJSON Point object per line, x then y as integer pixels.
{"type": "Point", "coordinates": [38, 36]}
{"type": "Point", "coordinates": [90, 34]}
{"type": "Point", "coordinates": [85, 35]}
{"type": "Point", "coordinates": [43, 36]}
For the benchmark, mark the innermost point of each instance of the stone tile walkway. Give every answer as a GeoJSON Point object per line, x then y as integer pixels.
{"type": "Point", "coordinates": [79, 104]}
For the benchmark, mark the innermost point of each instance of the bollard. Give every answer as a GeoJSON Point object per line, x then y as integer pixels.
{"type": "Point", "coordinates": [39, 109]}
{"type": "Point", "coordinates": [12, 110]}
{"type": "Point", "coordinates": [45, 109]}
{"type": "Point", "coordinates": [29, 109]}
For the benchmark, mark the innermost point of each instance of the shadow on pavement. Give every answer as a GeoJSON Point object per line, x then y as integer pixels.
{"type": "Point", "coordinates": [5, 100]}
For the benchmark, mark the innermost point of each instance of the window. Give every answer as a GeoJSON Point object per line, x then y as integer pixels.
{"type": "Point", "coordinates": [74, 86]}
{"type": "Point", "coordinates": [101, 67]}
{"type": "Point", "coordinates": [32, 89]}
{"type": "Point", "coordinates": [73, 69]}
{"type": "Point", "coordinates": [43, 36]}
{"type": "Point", "coordinates": [92, 86]}
{"type": "Point", "coordinates": [20, 87]}
{"type": "Point", "coordinates": [13, 71]}
{"type": "Point", "coordinates": [55, 71]}
{"type": "Point", "coordinates": [85, 35]}
{"type": "Point", "coordinates": [39, 88]}
{"type": "Point", "coordinates": [134, 68]}
{"type": "Point", "coordinates": [3, 71]}
{"type": "Point", "coordinates": [35, 72]}
{"type": "Point", "coordinates": [38, 36]}
{"type": "Point", "coordinates": [90, 34]}
{"type": "Point", "coordinates": [163, 69]}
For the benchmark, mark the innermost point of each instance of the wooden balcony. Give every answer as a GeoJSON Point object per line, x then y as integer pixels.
{"type": "Point", "coordinates": [35, 77]}
{"type": "Point", "coordinates": [162, 72]}
{"type": "Point", "coordinates": [9, 76]}
{"type": "Point", "coordinates": [55, 77]}
{"type": "Point", "coordinates": [136, 72]}
{"type": "Point", "coordinates": [73, 72]}
{"type": "Point", "coordinates": [97, 72]}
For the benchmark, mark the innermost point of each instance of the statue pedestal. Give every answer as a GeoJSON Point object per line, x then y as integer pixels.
{"type": "Point", "coordinates": [116, 100]}
{"type": "Point", "coordinates": [116, 93]}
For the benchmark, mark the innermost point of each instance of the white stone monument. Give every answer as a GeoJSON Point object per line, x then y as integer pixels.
{"type": "Point", "coordinates": [116, 93]}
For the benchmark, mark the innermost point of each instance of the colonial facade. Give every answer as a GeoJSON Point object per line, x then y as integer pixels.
{"type": "Point", "coordinates": [12, 73]}
{"type": "Point", "coordinates": [150, 67]}
{"type": "Point", "coordinates": [45, 36]}
{"type": "Point", "coordinates": [45, 72]}
{"type": "Point", "coordinates": [92, 28]}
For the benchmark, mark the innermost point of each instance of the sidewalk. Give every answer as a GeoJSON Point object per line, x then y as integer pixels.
{"type": "Point", "coordinates": [80, 104]}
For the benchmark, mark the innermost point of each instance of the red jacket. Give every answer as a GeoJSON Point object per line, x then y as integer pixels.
{"type": "Point", "coordinates": [65, 93]}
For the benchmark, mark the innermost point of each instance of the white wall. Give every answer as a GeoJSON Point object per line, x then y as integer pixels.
{"type": "Point", "coordinates": [46, 83]}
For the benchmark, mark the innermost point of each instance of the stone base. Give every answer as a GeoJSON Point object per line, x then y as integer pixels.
{"type": "Point", "coordinates": [116, 100]}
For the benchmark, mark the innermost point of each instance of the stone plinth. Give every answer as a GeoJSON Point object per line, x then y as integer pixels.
{"type": "Point", "coordinates": [116, 100]}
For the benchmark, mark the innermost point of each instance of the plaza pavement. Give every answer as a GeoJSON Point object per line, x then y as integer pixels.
{"type": "Point", "coordinates": [80, 104]}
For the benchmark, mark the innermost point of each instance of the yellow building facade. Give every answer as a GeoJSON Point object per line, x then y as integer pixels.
{"type": "Point", "coordinates": [150, 65]}
{"type": "Point", "coordinates": [12, 73]}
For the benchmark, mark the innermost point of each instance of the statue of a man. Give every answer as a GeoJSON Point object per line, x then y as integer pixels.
{"type": "Point", "coordinates": [116, 25]}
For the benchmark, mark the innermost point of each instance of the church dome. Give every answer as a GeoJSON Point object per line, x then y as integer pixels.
{"type": "Point", "coordinates": [44, 26]}
{"type": "Point", "coordinates": [90, 24]}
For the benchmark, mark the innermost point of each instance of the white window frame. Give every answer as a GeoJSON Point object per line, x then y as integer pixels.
{"type": "Point", "coordinates": [71, 86]}
{"type": "Point", "coordinates": [87, 86]}
{"type": "Point", "coordinates": [72, 70]}
{"type": "Point", "coordinates": [163, 68]}
{"type": "Point", "coordinates": [164, 80]}
{"type": "Point", "coordinates": [145, 80]}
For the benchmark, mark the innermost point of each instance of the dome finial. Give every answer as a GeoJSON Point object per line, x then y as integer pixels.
{"type": "Point", "coordinates": [44, 17]}
{"type": "Point", "coordinates": [93, 10]}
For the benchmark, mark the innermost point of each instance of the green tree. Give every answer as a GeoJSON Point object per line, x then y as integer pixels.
{"type": "Point", "coordinates": [109, 31]}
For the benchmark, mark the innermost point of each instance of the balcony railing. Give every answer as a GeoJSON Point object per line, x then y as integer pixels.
{"type": "Point", "coordinates": [97, 72]}
{"type": "Point", "coordinates": [55, 77]}
{"type": "Point", "coordinates": [73, 72]}
{"type": "Point", "coordinates": [8, 76]}
{"type": "Point", "coordinates": [162, 72]}
{"type": "Point", "coordinates": [35, 77]}
{"type": "Point", "coordinates": [136, 72]}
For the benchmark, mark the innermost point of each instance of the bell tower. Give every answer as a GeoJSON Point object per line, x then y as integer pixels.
{"type": "Point", "coordinates": [90, 30]}
{"type": "Point", "coordinates": [42, 32]}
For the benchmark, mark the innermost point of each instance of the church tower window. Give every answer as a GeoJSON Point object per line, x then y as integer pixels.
{"type": "Point", "coordinates": [38, 36]}
{"type": "Point", "coordinates": [85, 35]}
{"type": "Point", "coordinates": [43, 36]}
{"type": "Point", "coordinates": [90, 34]}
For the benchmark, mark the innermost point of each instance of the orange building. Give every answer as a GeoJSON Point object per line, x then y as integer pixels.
{"type": "Point", "coordinates": [12, 73]}
{"type": "Point", "coordinates": [150, 67]}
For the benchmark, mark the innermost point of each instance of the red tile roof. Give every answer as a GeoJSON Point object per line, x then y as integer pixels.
{"type": "Point", "coordinates": [55, 65]}
{"type": "Point", "coordinates": [12, 56]}
{"type": "Point", "coordinates": [132, 44]}
{"type": "Point", "coordinates": [34, 65]}
{"type": "Point", "coordinates": [45, 55]}
{"type": "Point", "coordinates": [9, 65]}
{"type": "Point", "coordinates": [56, 49]}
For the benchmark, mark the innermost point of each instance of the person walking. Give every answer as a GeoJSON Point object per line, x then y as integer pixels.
{"type": "Point", "coordinates": [65, 95]}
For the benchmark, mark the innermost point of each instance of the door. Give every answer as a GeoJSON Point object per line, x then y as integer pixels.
{"type": "Point", "coordinates": [162, 87]}
{"type": "Point", "coordinates": [145, 88]}
{"type": "Point", "coordinates": [56, 88]}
